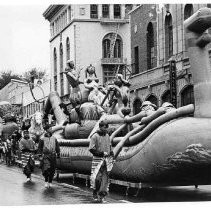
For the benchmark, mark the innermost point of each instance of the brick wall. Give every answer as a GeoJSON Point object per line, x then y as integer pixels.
{"type": "Point", "coordinates": [140, 18]}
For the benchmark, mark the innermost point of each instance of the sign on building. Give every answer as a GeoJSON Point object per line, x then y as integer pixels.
{"type": "Point", "coordinates": [173, 82]}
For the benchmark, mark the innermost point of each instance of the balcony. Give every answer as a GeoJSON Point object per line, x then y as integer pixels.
{"type": "Point", "coordinates": [113, 21]}
{"type": "Point", "coordinates": [112, 61]}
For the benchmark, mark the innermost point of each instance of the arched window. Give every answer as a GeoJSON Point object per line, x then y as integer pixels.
{"type": "Point", "coordinates": [168, 36]}
{"type": "Point", "coordinates": [107, 46]}
{"type": "Point", "coordinates": [187, 96]}
{"type": "Point", "coordinates": [166, 96]}
{"type": "Point", "coordinates": [55, 69]}
{"type": "Point", "coordinates": [55, 62]}
{"type": "Point", "coordinates": [153, 99]}
{"type": "Point", "coordinates": [61, 57]}
{"type": "Point", "coordinates": [188, 11]}
{"type": "Point", "coordinates": [61, 70]}
{"type": "Point", "coordinates": [137, 106]}
{"type": "Point", "coordinates": [68, 48]}
{"type": "Point", "coordinates": [150, 46]}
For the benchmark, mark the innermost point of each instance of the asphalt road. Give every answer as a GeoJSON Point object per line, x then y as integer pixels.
{"type": "Point", "coordinates": [15, 191]}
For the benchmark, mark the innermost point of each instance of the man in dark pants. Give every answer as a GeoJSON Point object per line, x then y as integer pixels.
{"type": "Point", "coordinates": [49, 148]}
{"type": "Point", "coordinates": [100, 147]}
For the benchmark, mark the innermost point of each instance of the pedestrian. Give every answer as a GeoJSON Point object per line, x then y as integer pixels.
{"type": "Point", "coordinates": [15, 147]}
{"type": "Point", "coordinates": [1, 151]}
{"type": "Point", "coordinates": [49, 148]}
{"type": "Point", "coordinates": [27, 148]}
{"type": "Point", "coordinates": [100, 147]}
{"type": "Point", "coordinates": [8, 150]}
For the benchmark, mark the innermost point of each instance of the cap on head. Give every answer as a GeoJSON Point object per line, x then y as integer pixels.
{"type": "Point", "coordinates": [70, 62]}
{"type": "Point", "coordinates": [103, 123]}
{"type": "Point", "coordinates": [46, 127]}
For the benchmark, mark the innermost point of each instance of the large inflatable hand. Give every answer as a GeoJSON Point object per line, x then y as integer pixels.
{"type": "Point", "coordinates": [196, 39]}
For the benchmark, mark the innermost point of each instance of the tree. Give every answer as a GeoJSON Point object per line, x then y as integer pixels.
{"type": "Point", "coordinates": [34, 73]}
{"type": "Point", "coordinates": [6, 76]}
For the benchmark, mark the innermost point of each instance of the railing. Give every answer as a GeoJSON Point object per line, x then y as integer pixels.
{"type": "Point", "coordinates": [104, 20]}
{"type": "Point", "coordinates": [113, 60]}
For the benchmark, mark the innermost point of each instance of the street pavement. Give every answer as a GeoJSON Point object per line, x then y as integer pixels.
{"type": "Point", "coordinates": [15, 191]}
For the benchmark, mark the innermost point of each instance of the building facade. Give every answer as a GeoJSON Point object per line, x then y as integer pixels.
{"type": "Point", "coordinates": [97, 34]}
{"type": "Point", "coordinates": [34, 100]}
{"type": "Point", "coordinates": [18, 93]}
{"type": "Point", "coordinates": [12, 92]}
{"type": "Point", "coordinates": [151, 54]}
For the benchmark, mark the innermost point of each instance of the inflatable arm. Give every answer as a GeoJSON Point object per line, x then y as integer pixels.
{"type": "Point", "coordinates": [197, 38]}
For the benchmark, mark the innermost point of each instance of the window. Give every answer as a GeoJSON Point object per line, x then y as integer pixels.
{"type": "Point", "coordinates": [61, 57]}
{"type": "Point", "coordinates": [61, 70]}
{"type": "Point", "coordinates": [68, 49]}
{"type": "Point", "coordinates": [150, 46]}
{"type": "Point", "coordinates": [137, 106]}
{"type": "Point", "coordinates": [107, 46]}
{"type": "Point", "coordinates": [187, 96]}
{"type": "Point", "coordinates": [168, 37]}
{"type": "Point", "coordinates": [105, 10]}
{"type": "Point", "coordinates": [117, 11]}
{"type": "Point", "coordinates": [117, 49]}
{"type": "Point", "coordinates": [136, 56]}
{"type": "Point", "coordinates": [188, 11]}
{"type": "Point", "coordinates": [93, 11]}
{"type": "Point", "coordinates": [69, 13]}
{"type": "Point", "coordinates": [152, 99]}
{"type": "Point", "coordinates": [68, 58]}
{"type": "Point", "coordinates": [166, 97]}
{"type": "Point", "coordinates": [55, 69]}
{"type": "Point", "coordinates": [55, 62]}
{"type": "Point", "coordinates": [109, 72]}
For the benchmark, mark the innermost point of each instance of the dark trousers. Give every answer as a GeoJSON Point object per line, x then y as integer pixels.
{"type": "Point", "coordinates": [48, 167]}
{"type": "Point", "coordinates": [49, 178]}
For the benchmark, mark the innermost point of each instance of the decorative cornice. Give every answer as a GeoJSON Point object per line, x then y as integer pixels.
{"type": "Point", "coordinates": [52, 10]}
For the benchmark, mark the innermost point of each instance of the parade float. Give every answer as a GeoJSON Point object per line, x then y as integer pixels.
{"type": "Point", "coordinates": [161, 147]}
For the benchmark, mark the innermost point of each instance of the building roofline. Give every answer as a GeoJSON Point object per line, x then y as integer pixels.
{"type": "Point", "coordinates": [19, 81]}
{"type": "Point", "coordinates": [133, 10]}
{"type": "Point", "coordinates": [51, 10]}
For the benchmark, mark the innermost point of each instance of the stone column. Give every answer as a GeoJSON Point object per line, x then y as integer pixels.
{"type": "Point", "coordinates": [122, 11]}
{"type": "Point", "coordinates": [111, 11]}
{"type": "Point", "coordinates": [100, 11]}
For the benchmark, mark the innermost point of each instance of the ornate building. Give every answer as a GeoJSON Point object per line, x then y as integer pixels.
{"type": "Point", "coordinates": [97, 34]}
{"type": "Point", "coordinates": [157, 36]}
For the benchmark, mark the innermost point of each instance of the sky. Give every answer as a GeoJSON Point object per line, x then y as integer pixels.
{"type": "Point", "coordinates": [24, 38]}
